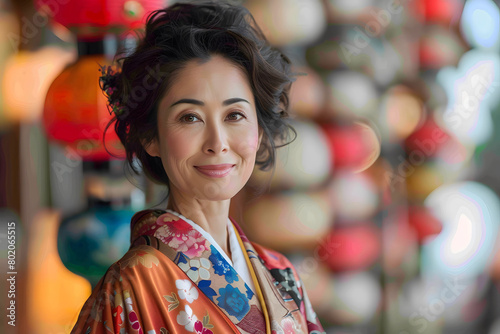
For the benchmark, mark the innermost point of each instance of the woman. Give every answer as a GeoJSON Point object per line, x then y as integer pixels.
{"type": "Point", "coordinates": [199, 102]}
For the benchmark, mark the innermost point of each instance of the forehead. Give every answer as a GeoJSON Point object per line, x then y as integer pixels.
{"type": "Point", "coordinates": [216, 78]}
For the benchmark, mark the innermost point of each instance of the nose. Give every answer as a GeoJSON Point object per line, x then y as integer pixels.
{"type": "Point", "coordinates": [215, 139]}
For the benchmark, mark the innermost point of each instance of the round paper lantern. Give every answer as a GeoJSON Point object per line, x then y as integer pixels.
{"type": "Point", "coordinates": [354, 196]}
{"type": "Point", "coordinates": [425, 224]}
{"type": "Point", "coordinates": [473, 94]}
{"type": "Point", "coordinates": [303, 164]}
{"type": "Point", "coordinates": [401, 111]}
{"type": "Point", "coordinates": [308, 93]}
{"type": "Point", "coordinates": [426, 140]}
{"type": "Point", "coordinates": [289, 220]}
{"type": "Point", "coordinates": [287, 22]}
{"type": "Point", "coordinates": [97, 17]}
{"type": "Point", "coordinates": [355, 147]}
{"type": "Point", "coordinates": [76, 112]}
{"type": "Point", "coordinates": [421, 180]}
{"type": "Point", "coordinates": [351, 94]}
{"type": "Point", "coordinates": [356, 298]}
{"type": "Point", "coordinates": [440, 47]}
{"type": "Point", "coordinates": [445, 12]}
{"type": "Point", "coordinates": [480, 24]}
{"type": "Point", "coordinates": [470, 214]}
{"type": "Point", "coordinates": [90, 242]}
{"type": "Point", "coordinates": [56, 295]}
{"type": "Point", "coordinates": [353, 247]}
{"type": "Point", "coordinates": [27, 78]}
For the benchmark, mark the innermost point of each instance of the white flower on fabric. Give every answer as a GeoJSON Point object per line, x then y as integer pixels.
{"type": "Point", "coordinates": [196, 269]}
{"type": "Point", "coordinates": [186, 290]}
{"type": "Point", "coordinates": [187, 319]}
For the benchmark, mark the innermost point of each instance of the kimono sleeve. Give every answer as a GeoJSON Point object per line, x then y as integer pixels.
{"type": "Point", "coordinates": [285, 273]}
{"type": "Point", "coordinates": [110, 307]}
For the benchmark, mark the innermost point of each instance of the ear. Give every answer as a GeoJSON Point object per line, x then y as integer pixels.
{"type": "Point", "coordinates": [152, 148]}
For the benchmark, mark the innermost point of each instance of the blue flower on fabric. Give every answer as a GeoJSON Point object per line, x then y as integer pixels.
{"type": "Point", "coordinates": [221, 267]}
{"type": "Point", "coordinates": [233, 301]}
{"type": "Point", "coordinates": [249, 292]}
{"type": "Point", "coordinates": [181, 258]}
{"type": "Point", "coordinates": [204, 286]}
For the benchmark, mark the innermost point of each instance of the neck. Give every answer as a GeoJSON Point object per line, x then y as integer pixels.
{"type": "Point", "coordinates": [210, 215]}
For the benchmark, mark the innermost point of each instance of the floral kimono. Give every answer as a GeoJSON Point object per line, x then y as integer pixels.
{"type": "Point", "coordinates": [173, 279]}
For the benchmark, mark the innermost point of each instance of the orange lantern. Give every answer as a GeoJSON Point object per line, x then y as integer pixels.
{"type": "Point", "coordinates": [76, 112]}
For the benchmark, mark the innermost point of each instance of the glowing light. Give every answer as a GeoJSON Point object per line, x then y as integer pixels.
{"type": "Point", "coordinates": [470, 213]}
{"type": "Point", "coordinates": [463, 235]}
{"type": "Point", "coordinates": [481, 23]}
{"type": "Point", "coordinates": [472, 91]}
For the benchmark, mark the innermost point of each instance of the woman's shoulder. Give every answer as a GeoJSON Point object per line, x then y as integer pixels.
{"type": "Point", "coordinates": [276, 262]}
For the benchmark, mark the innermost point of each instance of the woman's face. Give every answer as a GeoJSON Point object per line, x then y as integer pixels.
{"type": "Point", "coordinates": [208, 133]}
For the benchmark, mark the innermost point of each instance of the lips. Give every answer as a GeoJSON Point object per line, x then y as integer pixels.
{"type": "Point", "coordinates": [215, 170]}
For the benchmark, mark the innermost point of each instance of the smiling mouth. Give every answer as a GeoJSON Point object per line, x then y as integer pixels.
{"type": "Point", "coordinates": [215, 170]}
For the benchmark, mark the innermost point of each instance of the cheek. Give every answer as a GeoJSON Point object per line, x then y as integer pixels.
{"type": "Point", "coordinates": [177, 145]}
{"type": "Point", "coordinates": [250, 144]}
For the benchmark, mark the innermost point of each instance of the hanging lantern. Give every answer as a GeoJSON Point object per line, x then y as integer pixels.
{"type": "Point", "coordinates": [26, 80]}
{"type": "Point", "coordinates": [76, 113]}
{"type": "Point", "coordinates": [425, 224]}
{"type": "Point", "coordinates": [351, 247]}
{"type": "Point", "coordinates": [97, 17]}
{"type": "Point", "coordinates": [289, 22]}
{"type": "Point", "coordinates": [355, 146]}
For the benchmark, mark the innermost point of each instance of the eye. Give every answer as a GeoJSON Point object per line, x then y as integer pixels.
{"type": "Point", "coordinates": [189, 118]}
{"type": "Point", "coordinates": [235, 116]}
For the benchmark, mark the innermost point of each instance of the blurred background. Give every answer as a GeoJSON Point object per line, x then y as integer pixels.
{"type": "Point", "coordinates": [387, 203]}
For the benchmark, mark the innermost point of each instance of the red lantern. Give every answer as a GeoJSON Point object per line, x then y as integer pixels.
{"type": "Point", "coordinates": [424, 223]}
{"type": "Point", "coordinates": [76, 113]}
{"type": "Point", "coordinates": [354, 146]}
{"type": "Point", "coordinates": [351, 248]}
{"type": "Point", "coordinates": [446, 12]}
{"type": "Point", "coordinates": [428, 139]}
{"type": "Point", "coordinates": [96, 17]}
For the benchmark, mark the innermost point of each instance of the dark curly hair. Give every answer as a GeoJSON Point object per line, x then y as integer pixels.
{"type": "Point", "coordinates": [187, 31]}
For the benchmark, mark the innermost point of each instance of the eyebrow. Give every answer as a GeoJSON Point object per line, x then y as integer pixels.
{"type": "Point", "coordinates": [200, 103]}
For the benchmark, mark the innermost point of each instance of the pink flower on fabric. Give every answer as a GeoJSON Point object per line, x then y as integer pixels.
{"type": "Point", "coordinates": [289, 326]}
{"type": "Point", "coordinates": [199, 329]}
{"type": "Point", "coordinates": [181, 236]}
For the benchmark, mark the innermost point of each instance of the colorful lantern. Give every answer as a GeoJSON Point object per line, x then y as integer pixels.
{"type": "Point", "coordinates": [351, 95]}
{"type": "Point", "coordinates": [308, 93]}
{"type": "Point", "coordinates": [27, 78]}
{"type": "Point", "coordinates": [353, 247]}
{"type": "Point", "coordinates": [304, 163]}
{"type": "Point", "coordinates": [290, 220]}
{"type": "Point", "coordinates": [286, 22]}
{"type": "Point", "coordinates": [97, 17]}
{"type": "Point", "coordinates": [355, 147]}
{"type": "Point", "coordinates": [446, 12]}
{"type": "Point", "coordinates": [425, 224]}
{"type": "Point", "coordinates": [440, 47]}
{"type": "Point", "coordinates": [354, 196]}
{"type": "Point", "coordinates": [76, 113]}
